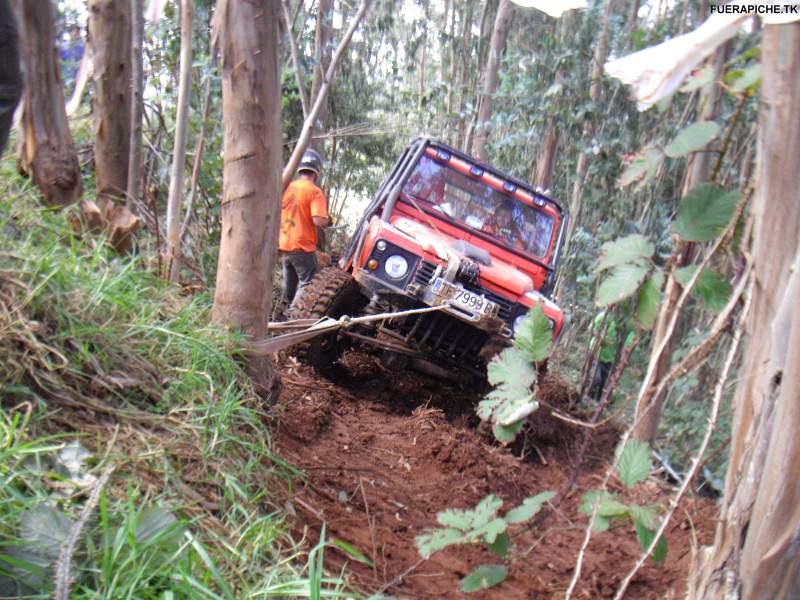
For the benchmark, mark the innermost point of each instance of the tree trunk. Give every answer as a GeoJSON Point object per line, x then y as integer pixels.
{"type": "Point", "coordinates": [755, 549]}
{"type": "Point", "coordinates": [595, 87]}
{"type": "Point", "coordinates": [251, 193]}
{"type": "Point", "coordinates": [322, 60]}
{"type": "Point", "coordinates": [502, 24]}
{"type": "Point", "coordinates": [110, 33]}
{"type": "Point", "coordinates": [46, 150]}
{"type": "Point", "coordinates": [179, 148]}
{"type": "Point", "coordinates": [134, 189]}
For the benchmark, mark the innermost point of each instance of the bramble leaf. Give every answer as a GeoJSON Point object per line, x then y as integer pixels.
{"type": "Point", "coordinates": [634, 463]}
{"type": "Point", "coordinates": [711, 288]}
{"type": "Point", "coordinates": [642, 167]}
{"type": "Point", "coordinates": [500, 545]}
{"type": "Point", "coordinates": [698, 79]}
{"type": "Point", "coordinates": [646, 515]}
{"type": "Point", "coordinates": [507, 433]}
{"type": "Point", "coordinates": [437, 539]}
{"type": "Point", "coordinates": [622, 283]}
{"type": "Point", "coordinates": [748, 81]}
{"type": "Point", "coordinates": [534, 336]}
{"type": "Point", "coordinates": [513, 366]}
{"type": "Point", "coordinates": [646, 536]}
{"type": "Point", "coordinates": [649, 298]}
{"type": "Point", "coordinates": [704, 213]}
{"type": "Point", "coordinates": [484, 577]}
{"type": "Point", "coordinates": [529, 507]}
{"type": "Point", "coordinates": [692, 138]}
{"type": "Point", "coordinates": [624, 250]}
{"type": "Point", "coordinates": [484, 511]}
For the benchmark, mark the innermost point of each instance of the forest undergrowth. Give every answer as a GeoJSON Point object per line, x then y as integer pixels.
{"type": "Point", "coordinates": [129, 435]}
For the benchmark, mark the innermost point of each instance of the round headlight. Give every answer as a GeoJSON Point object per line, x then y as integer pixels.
{"type": "Point", "coordinates": [381, 245]}
{"type": "Point", "coordinates": [396, 266]}
{"type": "Point", "coordinates": [518, 321]}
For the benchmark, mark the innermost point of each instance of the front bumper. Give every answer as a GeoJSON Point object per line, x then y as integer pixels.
{"type": "Point", "coordinates": [486, 317]}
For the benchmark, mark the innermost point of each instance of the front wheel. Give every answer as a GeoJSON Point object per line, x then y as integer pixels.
{"type": "Point", "coordinates": [332, 293]}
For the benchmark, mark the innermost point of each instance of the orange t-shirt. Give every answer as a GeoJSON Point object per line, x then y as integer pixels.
{"type": "Point", "coordinates": [301, 201]}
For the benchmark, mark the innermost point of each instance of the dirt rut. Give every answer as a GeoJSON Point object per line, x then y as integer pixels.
{"type": "Point", "coordinates": [385, 451]}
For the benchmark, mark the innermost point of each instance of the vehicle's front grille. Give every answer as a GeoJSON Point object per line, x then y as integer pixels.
{"type": "Point", "coordinates": [441, 334]}
{"type": "Point", "coordinates": [424, 272]}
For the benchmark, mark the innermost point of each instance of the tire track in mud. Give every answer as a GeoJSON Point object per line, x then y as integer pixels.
{"type": "Point", "coordinates": [385, 451]}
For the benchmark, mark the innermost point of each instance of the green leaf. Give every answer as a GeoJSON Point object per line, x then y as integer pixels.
{"type": "Point", "coordinates": [634, 463]}
{"type": "Point", "coordinates": [711, 288]}
{"type": "Point", "coordinates": [153, 523]}
{"type": "Point", "coordinates": [488, 532]}
{"type": "Point", "coordinates": [485, 511]}
{"type": "Point", "coordinates": [529, 507]}
{"type": "Point", "coordinates": [534, 335]}
{"type": "Point", "coordinates": [622, 283]}
{"type": "Point", "coordinates": [44, 529]}
{"type": "Point", "coordinates": [610, 508]}
{"type": "Point", "coordinates": [692, 138]}
{"type": "Point", "coordinates": [500, 545]}
{"type": "Point", "coordinates": [624, 250]}
{"type": "Point", "coordinates": [646, 515]}
{"type": "Point", "coordinates": [484, 577]}
{"type": "Point", "coordinates": [748, 81]}
{"type": "Point", "coordinates": [646, 536]}
{"type": "Point", "coordinates": [642, 167]}
{"type": "Point", "coordinates": [704, 213]}
{"type": "Point", "coordinates": [699, 79]}
{"type": "Point", "coordinates": [649, 299]}
{"type": "Point", "coordinates": [437, 539]}
{"type": "Point", "coordinates": [352, 551]}
{"type": "Point", "coordinates": [507, 433]}
{"type": "Point", "coordinates": [589, 499]}
{"type": "Point", "coordinates": [511, 366]}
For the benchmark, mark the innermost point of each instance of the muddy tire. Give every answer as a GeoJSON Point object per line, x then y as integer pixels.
{"type": "Point", "coordinates": [332, 293]}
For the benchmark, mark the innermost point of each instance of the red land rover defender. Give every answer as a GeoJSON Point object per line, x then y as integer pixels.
{"type": "Point", "coordinates": [443, 229]}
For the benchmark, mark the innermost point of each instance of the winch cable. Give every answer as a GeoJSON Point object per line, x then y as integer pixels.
{"type": "Point", "coordinates": [311, 328]}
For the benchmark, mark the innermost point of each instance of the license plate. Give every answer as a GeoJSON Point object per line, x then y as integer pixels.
{"type": "Point", "coordinates": [458, 296]}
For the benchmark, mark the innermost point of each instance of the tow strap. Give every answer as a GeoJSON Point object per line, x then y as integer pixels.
{"type": "Point", "coordinates": [302, 330]}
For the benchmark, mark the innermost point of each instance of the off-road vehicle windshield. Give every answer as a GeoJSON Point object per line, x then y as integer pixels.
{"type": "Point", "coordinates": [481, 207]}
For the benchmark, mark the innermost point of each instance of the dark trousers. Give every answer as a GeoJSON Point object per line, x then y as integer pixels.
{"type": "Point", "coordinates": [600, 378]}
{"type": "Point", "coordinates": [10, 76]}
{"type": "Point", "coordinates": [299, 269]}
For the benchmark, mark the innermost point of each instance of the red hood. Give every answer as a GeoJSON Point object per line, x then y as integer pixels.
{"type": "Point", "coordinates": [440, 244]}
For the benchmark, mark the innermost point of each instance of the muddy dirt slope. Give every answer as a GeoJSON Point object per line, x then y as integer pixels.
{"type": "Point", "coordinates": [385, 451]}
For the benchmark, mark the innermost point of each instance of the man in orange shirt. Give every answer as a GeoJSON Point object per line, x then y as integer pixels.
{"type": "Point", "coordinates": [303, 209]}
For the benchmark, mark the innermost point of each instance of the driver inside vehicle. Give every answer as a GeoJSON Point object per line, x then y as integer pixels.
{"type": "Point", "coordinates": [502, 225]}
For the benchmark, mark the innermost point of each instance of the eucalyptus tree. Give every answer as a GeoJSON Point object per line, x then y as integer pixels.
{"type": "Point", "coordinates": [247, 35]}
{"type": "Point", "coordinates": [754, 554]}
{"type": "Point", "coordinates": [46, 150]}
{"type": "Point", "coordinates": [110, 33]}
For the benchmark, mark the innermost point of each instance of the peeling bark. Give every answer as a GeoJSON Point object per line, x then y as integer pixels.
{"type": "Point", "coordinates": [110, 33]}
{"type": "Point", "coordinates": [755, 553]}
{"type": "Point", "coordinates": [46, 150]}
